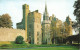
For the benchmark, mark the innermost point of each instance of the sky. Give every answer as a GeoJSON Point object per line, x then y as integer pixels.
{"type": "Point", "coordinates": [60, 8]}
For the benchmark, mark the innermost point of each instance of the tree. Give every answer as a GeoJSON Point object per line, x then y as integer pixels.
{"type": "Point", "coordinates": [77, 10]}
{"type": "Point", "coordinates": [19, 40]}
{"type": "Point", "coordinates": [77, 13]}
{"type": "Point", "coordinates": [53, 31]}
{"type": "Point", "coordinates": [5, 21]}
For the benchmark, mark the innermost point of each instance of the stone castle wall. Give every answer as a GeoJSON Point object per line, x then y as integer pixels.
{"type": "Point", "coordinates": [9, 34]}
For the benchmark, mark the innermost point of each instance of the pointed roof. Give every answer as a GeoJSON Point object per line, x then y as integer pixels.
{"type": "Point", "coordinates": [45, 15]}
{"type": "Point", "coordinates": [68, 20]}
{"type": "Point", "coordinates": [45, 7]}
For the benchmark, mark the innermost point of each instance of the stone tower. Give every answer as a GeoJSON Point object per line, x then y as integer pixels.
{"type": "Point", "coordinates": [46, 28]}
{"type": "Point", "coordinates": [34, 28]}
{"type": "Point", "coordinates": [23, 23]}
{"type": "Point", "coordinates": [25, 14]}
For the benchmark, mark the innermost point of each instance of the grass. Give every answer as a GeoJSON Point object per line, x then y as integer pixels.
{"type": "Point", "coordinates": [54, 48]}
{"type": "Point", "coordinates": [51, 48]}
{"type": "Point", "coordinates": [27, 46]}
{"type": "Point", "coordinates": [13, 45]}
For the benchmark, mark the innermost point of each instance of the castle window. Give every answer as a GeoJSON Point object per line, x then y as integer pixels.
{"type": "Point", "coordinates": [37, 39]}
{"type": "Point", "coordinates": [38, 33]}
{"type": "Point", "coordinates": [37, 42]}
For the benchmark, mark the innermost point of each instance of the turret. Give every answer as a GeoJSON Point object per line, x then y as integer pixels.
{"type": "Point", "coordinates": [68, 20]}
{"type": "Point", "coordinates": [45, 15]}
{"type": "Point", "coordinates": [25, 14]}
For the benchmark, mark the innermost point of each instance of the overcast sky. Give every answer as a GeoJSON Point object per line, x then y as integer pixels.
{"type": "Point", "coordinates": [60, 8]}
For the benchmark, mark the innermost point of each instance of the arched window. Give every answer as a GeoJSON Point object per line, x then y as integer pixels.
{"type": "Point", "coordinates": [38, 33]}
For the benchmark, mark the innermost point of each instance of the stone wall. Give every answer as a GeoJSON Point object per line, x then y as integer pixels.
{"type": "Point", "coordinates": [9, 34]}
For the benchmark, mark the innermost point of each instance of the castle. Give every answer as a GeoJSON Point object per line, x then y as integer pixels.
{"type": "Point", "coordinates": [31, 22]}
{"type": "Point", "coordinates": [35, 32]}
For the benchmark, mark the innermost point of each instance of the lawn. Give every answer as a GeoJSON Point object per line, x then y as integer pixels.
{"type": "Point", "coordinates": [26, 46]}
{"type": "Point", "coordinates": [49, 48]}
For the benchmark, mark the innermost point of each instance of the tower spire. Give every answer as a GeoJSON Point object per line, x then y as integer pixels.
{"type": "Point", "coordinates": [45, 7]}
{"type": "Point", "coordinates": [46, 15]}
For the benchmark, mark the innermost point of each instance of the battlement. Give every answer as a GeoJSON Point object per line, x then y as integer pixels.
{"type": "Point", "coordinates": [25, 6]}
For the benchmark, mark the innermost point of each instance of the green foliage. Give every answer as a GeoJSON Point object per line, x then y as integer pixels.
{"type": "Point", "coordinates": [77, 13]}
{"type": "Point", "coordinates": [5, 21]}
{"type": "Point", "coordinates": [77, 8]}
{"type": "Point", "coordinates": [19, 40]}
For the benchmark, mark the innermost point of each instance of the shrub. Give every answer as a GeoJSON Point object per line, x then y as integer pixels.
{"type": "Point", "coordinates": [19, 40]}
